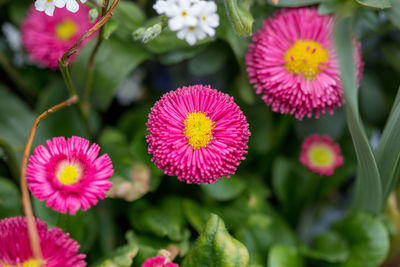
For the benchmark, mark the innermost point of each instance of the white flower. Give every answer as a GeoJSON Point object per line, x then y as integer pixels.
{"type": "Point", "coordinates": [182, 14]}
{"type": "Point", "coordinates": [208, 17]}
{"type": "Point", "coordinates": [191, 34]}
{"type": "Point", "coordinates": [13, 37]}
{"type": "Point", "coordinates": [45, 5]}
{"type": "Point", "coordinates": [72, 5]}
{"type": "Point", "coordinates": [163, 6]}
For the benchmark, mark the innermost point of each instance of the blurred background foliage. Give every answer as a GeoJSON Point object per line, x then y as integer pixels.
{"type": "Point", "coordinates": [273, 212]}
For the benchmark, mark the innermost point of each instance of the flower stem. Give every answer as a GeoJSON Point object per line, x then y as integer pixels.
{"type": "Point", "coordinates": [89, 78]}
{"type": "Point", "coordinates": [26, 201]}
{"type": "Point", "coordinates": [72, 91]}
{"type": "Point", "coordinates": [89, 32]}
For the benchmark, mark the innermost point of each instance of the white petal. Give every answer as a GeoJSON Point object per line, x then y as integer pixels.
{"type": "Point", "coordinates": [210, 7]}
{"type": "Point", "coordinates": [83, 1]}
{"type": "Point", "coordinates": [213, 20]}
{"type": "Point", "coordinates": [207, 29]}
{"type": "Point", "coordinates": [40, 5]}
{"type": "Point", "coordinates": [190, 21]}
{"type": "Point", "coordinates": [176, 23]}
{"type": "Point", "coordinates": [191, 38]}
{"type": "Point", "coordinates": [182, 33]}
{"type": "Point", "coordinates": [200, 34]}
{"type": "Point", "coordinates": [172, 10]}
{"type": "Point", "coordinates": [72, 6]}
{"type": "Point", "coordinates": [60, 3]}
{"type": "Point", "coordinates": [160, 7]}
{"type": "Point", "coordinates": [50, 10]}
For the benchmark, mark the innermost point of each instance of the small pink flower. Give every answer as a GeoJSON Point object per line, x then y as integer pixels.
{"type": "Point", "coordinates": [197, 134]}
{"type": "Point", "coordinates": [321, 155]}
{"type": "Point", "coordinates": [47, 38]}
{"type": "Point", "coordinates": [58, 249]}
{"type": "Point", "coordinates": [159, 261]}
{"type": "Point", "coordinates": [68, 174]}
{"type": "Point", "coordinates": [292, 62]}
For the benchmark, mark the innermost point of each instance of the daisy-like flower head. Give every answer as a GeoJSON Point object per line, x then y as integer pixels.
{"type": "Point", "coordinates": [182, 13]}
{"type": "Point", "coordinates": [208, 17]}
{"type": "Point", "coordinates": [47, 38]}
{"type": "Point", "coordinates": [68, 174]}
{"type": "Point", "coordinates": [58, 248]}
{"type": "Point", "coordinates": [47, 6]}
{"type": "Point", "coordinates": [293, 63]}
{"type": "Point", "coordinates": [321, 155]}
{"type": "Point", "coordinates": [71, 5]}
{"type": "Point", "coordinates": [159, 261]}
{"type": "Point", "coordinates": [197, 134]}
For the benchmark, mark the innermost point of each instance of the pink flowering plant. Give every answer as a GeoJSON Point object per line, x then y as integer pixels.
{"type": "Point", "coordinates": [199, 133]}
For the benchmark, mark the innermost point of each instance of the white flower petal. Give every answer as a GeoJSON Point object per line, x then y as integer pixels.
{"type": "Point", "coordinates": [213, 20]}
{"type": "Point", "coordinates": [200, 34]}
{"type": "Point", "coordinates": [50, 10]}
{"type": "Point", "coordinates": [182, 33]}
{"type": "Point", "coordinates": [210, 7]}
{"type": "Point", "coordinates": [190, 21]}
{"type": "Point", "coordinates": [83, 1]}
{"type": "Point", "coordinates": [72, 6]}
{"type": "Point", "coordinates": [207, 29]}
{"type": "Point", "coordinates": [40, 5]}
{"type": "Point", "coordinates": [60, 3]}
{"type": "Point", "coordinates": [176, 23]}
{"type": "Point", "coordinates": [191, 38]}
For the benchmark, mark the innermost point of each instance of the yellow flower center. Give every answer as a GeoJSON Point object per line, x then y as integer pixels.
{"type": "Point", "coordinates": [321, 155]}
{"type": "Point", "coordinates": [69, 175]}
{"type": "Point", "coordinates": [198, 128]}
{"type": "Point", "coordinates": [28, 263]}
{"type": "Point", "coordinates": [66, 30]}
{"type": "Point", "coordinates": [191, 28]}
{"type": "Point", "coordinates": [49, 1]}
{"type": "Point", "coordinates": [184, 13]}
{"type": "Point", "coordinates": [307, 58]}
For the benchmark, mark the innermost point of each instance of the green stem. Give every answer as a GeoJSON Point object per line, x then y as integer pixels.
{"type": "Point", "coordinates": [72, 91]}
{"type": "Point", "coordinates": [11, 158]}
{"type": "Point", "coordinates": [90, 74]}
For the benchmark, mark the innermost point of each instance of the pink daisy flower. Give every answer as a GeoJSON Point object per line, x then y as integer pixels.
{"type": "Point", "coordinates": [47, 38]}
{"type": "Point", "coordinates": [292, 62]}
{"type": "Point", "coordinates": [68, 174]}
{"type": "Point", "coordinates": [58, 248]}
{"type": "Point", "coordinates": [159, 261]}
{"type": "Point", "coordinates": [321, 155]}
{"type": "Point", "coordinates": [197, 134]}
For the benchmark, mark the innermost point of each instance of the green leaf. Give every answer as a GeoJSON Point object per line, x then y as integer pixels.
{"type": "Point", "coordinates": [381, 4]}
{"type": "Point", "coordinates": [282, 256]}
{"type": "Point", "coordinates": [195, 214]}
{"type": "Point", "coordinates": [75, 225]}
{"type": "Point", "coordinates": [394, 13]}
{"type": "Point", "coordinates": [216, 247]}
{"type": "Point", "coordinates": [122, 257]}
{"type": "Point", "coordinates": [296, 3]}
{"type": "Point", "coordinates": [129, 17]}
{"type": "Point", "coordinates": [388, 150]}
{"type": "Point", "coordinates": [239, 14]}
{"type": "Point", "coordinates": [10, 203]}
{"type": "Point", "coordinates": [224, 189]}
{"type": "Point", "coordinates": [108, 72]}
{"type": "Point", "coordinates": [367, 239]}
{"type": "Point", "coordinates": [208, 61]}
{"type": "Point", "coordinates": [165, 221]}
{"type": "Point", "coordinates": [329, 247]}
{"type": "Point", "coordinates": [368, 192]}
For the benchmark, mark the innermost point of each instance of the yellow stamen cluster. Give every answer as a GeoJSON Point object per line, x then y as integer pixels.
{"type": "Point", "coordinates": [28, 263]}
{"type": "Point", "coordinates": [69, 175]}
{"type": "Point", "coordinates": [198, 127]}
{"type": "Point", "coordinates": [320, 155]}
{"type": "Point", "coordinates": [66, 30]}
{"type": "Point", "coordinates": [307, 58]}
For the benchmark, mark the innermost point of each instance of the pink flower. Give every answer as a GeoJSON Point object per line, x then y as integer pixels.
{"type": "Point", "coordinates": [68, 174]}
{"type": "Point", "coordinates": [197, 134]}
{"type": "Point", "coordinates": [321, 155]}
{"type": "Point", "coordinates": [58, 249]}
{"type": "Point", "coordinates": [159, 261]}
{"type": "Point", "coordinates": [47, 38]}
{"type": "Point", "coordinates": [293, 63]}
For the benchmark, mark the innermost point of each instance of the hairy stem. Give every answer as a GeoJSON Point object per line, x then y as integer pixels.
{"type": "Point", "coordinates": [26, 201]}
{"type": "Point", "coordinates": [89, 77]}
{"type": "Point", "coordinates": [89, 32]}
